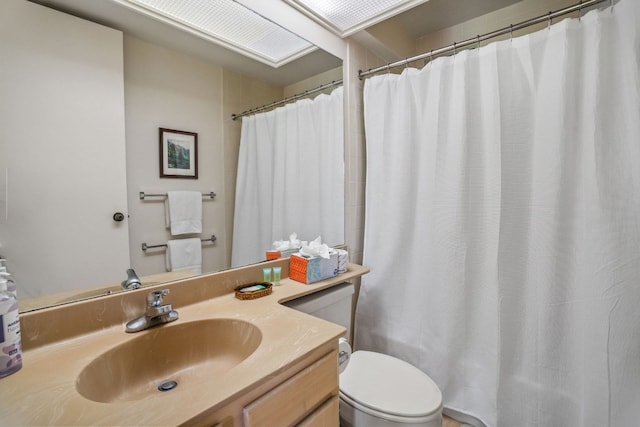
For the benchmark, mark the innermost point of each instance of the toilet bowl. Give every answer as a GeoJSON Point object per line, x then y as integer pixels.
{"type": "Point", "coordinates": [379, 390]}
{"type": "Point", "coordinates": [376, 390]}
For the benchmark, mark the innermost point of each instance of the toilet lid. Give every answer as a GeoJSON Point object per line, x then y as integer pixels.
{"type": "Point", "coordinates": [389, 385]}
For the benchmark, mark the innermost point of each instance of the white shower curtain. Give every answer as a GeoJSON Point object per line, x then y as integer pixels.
{"type": "Point", "coordinates": [290, 177]}
{"type": "Point", "coordinates": [502, 224]}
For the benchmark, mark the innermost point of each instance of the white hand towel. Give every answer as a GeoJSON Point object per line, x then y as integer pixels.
{"type": "Point", "coordinates": [183, 212]}
{"type": "Point", "coordinates": [184, 254]}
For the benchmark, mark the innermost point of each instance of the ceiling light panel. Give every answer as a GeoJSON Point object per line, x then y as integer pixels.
{"type": "Point", "coordinates": [346, 17]}
{"type": "Point", "coordinates": [232, 25]}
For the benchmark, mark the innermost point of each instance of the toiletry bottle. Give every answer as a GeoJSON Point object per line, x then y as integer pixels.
{"type": "Point", "coordinates": [11, 284]}
{"type": "Point", "coordinates": [10, 344]}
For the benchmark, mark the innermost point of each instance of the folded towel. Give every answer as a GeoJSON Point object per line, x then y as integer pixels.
{"type": "Point", "coordinates": [184, 254]}
{"type": "Point", "coordinates": [183, 212]}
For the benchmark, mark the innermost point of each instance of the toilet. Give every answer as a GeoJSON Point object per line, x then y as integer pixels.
{"type": "Point", "coordinates": [376, 390]}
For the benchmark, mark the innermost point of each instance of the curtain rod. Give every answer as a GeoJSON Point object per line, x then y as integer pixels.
{"type": "Point", "coordinates": [291, 98]}
{"type": "Point", "coordinates": [480, 38]}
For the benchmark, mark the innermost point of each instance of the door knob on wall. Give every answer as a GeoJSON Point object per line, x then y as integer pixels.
{"type": "Point", "coordinates": [118, 217]}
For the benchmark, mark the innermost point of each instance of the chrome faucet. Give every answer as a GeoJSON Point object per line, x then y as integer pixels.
{"type": "Point", "coordinates": [156, 313]}
{"type": "Point", "coordinates": [132, 281]}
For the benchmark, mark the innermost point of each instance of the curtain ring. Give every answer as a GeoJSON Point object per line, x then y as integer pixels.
{"type": "Point", "coordinates": [406, 63]}
{"type": "Point", "coordinates": [511, 32]}
{"type": "Point", "coordinates": [580, 11]}
{"type": "Point", "coordinates": [549, 20]}
{"type": "Point", "coordinates": [478, 41]}
{"type": "Point", "coordinates": [454, 48]}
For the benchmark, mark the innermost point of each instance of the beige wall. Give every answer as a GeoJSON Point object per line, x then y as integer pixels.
{"type": "Point", "coordinates": [165, 88]}
{"type": "Point", "coordinates": [314, 82]}
{"type": "Point", "coordinates": [358, 58]}
{"type": "Point", "coordinates": [62, 149]}
{"type": "Point", "coordinates": [517, 12]}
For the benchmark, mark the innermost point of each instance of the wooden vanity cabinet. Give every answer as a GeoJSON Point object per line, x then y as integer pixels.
{"type": "Point", "coordinates": [304, 395]}
{"type": "Point", "coordinates": [297, 398]}
{"type": "Point", "coordinates": [325, 416]}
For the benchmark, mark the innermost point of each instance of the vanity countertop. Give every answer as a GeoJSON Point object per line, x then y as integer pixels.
{"type": "Point", "coordinates": [44, 391]}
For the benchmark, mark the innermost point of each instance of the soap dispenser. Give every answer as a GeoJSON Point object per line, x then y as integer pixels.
{"type": "Point", "coordinates": [10, 343]}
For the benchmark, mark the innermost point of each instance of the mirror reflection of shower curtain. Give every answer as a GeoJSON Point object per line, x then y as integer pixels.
{"type": "Point", "coordinates": [290, 177]}
{"type": "Point", "coordinates": [502, 224]}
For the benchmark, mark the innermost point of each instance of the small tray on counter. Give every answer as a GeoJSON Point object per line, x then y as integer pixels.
{"type": "Point", "coordinates": [253, 290]}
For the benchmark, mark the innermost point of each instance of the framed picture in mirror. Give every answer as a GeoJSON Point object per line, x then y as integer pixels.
{"type": "Point", "coordinates": [178, 154]}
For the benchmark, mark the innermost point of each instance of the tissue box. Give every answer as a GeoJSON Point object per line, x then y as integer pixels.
{"type": "Point", "coordinates": [280, 254]}
{"type": "Point", "coordinates": [312, 269]}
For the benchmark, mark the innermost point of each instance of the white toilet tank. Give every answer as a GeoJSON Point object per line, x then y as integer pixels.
{"type": "Point", "coordinates": [409, 400]}
{"type": "Point", "coordinates": [332, 304]}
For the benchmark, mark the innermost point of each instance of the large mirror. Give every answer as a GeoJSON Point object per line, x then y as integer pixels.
{"type": "Point", "coordinates": [85, 87]}
{"type": "Point", "coordinates": [82, 118]}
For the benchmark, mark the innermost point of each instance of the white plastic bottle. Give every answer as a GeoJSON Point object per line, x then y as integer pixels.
{"type": "Point", "coordinates": [10, 343]}
{"type": "Point", "coordinates": [4, 274]}
{"type": "Point", "coordinates": [11, 284]}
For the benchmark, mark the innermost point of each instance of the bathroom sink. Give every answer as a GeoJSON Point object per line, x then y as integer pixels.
{"type": "Point", "coordinates": [168, 358]}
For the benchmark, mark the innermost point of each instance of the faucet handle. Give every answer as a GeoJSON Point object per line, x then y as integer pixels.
{"type": "Point", "coordinates": [154, 298]}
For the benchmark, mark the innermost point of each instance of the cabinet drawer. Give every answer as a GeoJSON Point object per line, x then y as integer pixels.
{"type": "Point", "coordinates": [328, 415]}
{"type": "Point", "coordinates": [297, 397]}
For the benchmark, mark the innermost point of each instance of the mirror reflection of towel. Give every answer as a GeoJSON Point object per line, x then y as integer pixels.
{"type": "Point", "coordinates": [184, 254]}
{"type": "Point", "coordinates": [183, 212]}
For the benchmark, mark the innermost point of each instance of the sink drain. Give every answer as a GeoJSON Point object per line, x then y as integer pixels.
{"type": "Point", "coordinates": [167, 386]}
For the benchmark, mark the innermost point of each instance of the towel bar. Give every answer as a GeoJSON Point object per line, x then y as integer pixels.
{"type": "Point", "coordinates": [210, 194]}
{"type": "Point", "coordinates": [212, 239]}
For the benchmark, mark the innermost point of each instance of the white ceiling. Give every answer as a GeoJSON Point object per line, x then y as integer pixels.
{"type": "Point", "coordinates": [229, 24]}
{"type": "Point", "coordinates": [114, 15]}
{"type": "Point", "coordinates": [161, 27]}
{"type": "Point", "coordinates": [346, 17]}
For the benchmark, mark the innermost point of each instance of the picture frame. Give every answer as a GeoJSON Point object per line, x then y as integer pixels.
{"type": "Point", "coordinates": [178, 154]}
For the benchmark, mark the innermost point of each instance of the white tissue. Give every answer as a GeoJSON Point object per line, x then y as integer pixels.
{"type": "Point", "coordinates": [284, 245]}
{"type": "Point", "coordinates": [316, 248]}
